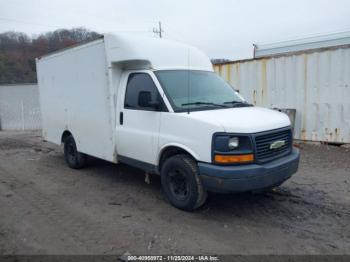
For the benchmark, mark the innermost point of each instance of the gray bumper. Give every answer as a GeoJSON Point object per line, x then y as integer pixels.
{"type": "Point", "coordinates": [226, 179]}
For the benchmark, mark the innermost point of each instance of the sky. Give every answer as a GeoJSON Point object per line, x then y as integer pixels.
{"type": "Point", "coordinates": [221, 28]}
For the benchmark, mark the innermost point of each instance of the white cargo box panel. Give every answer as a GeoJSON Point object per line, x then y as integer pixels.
{"type": "Point", "coordinates": [75, 96]}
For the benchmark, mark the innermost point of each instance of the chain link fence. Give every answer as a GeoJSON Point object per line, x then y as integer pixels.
{"type": "Point", "coordinates": [19, 107]}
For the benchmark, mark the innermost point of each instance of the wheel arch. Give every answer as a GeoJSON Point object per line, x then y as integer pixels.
{"type": "Point", "coordinates": [65, 134]}
{"type": "Point", "coordinates": [170, 150]}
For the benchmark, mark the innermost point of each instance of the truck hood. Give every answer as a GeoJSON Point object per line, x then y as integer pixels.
{"type": "Point", "coordinates": [244, 119]}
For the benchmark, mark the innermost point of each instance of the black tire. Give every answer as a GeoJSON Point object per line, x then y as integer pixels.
{"type": "Point", "coordinates": [181, 183]}
{"type": "Point", "coordinates": [74, 159]}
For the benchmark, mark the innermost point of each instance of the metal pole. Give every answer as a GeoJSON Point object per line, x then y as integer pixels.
{"type": "Point", "coordinates": [160, 29]}
{"type": "Point", "coordinates": [22, 114]}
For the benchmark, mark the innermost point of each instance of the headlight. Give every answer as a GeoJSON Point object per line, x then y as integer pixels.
{"type": "Point", "coordinates": [233, 143]}
{"type": "Point", "coordinates": [232, 148]}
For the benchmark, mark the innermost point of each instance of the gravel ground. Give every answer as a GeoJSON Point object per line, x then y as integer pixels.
{"type": "Point", "coordinates": [47, 208]}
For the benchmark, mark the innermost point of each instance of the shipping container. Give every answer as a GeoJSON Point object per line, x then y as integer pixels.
{"type": "Point", "coordinates": [315, 83]}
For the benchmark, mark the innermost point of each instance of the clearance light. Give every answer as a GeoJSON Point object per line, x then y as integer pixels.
{"type": "Point", "coordinates": [226, 159]}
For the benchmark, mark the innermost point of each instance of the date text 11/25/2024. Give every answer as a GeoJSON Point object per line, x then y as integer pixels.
{"type": "Point", "coordinates": [173, 258]}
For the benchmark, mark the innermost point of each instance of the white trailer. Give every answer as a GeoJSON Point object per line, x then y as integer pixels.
{"type": "Point", "coordinates": [157, 104]}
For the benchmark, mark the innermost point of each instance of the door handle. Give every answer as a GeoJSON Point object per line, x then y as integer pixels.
{"type": "Point", "coordinates": [121, 118]}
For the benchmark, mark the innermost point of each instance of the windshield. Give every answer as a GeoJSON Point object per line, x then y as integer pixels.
{"type": "Point", "coordinates": [197, 90]}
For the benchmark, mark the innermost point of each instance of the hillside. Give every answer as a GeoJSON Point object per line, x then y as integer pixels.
{"type": "Point", "coordinates": [18, 51]}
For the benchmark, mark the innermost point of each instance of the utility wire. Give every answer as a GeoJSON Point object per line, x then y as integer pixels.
{"type": "Point", "coordinates": [159, 30]}
{"type": "Point", "coordinates": [26, 22]}
{"type": "Point", "coordinates": [57, 27]}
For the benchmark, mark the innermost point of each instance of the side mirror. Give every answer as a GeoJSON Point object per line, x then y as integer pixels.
{"type": "Point", "coordinates": [145, 100]}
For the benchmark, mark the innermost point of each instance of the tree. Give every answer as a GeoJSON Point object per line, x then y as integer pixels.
{"type": "Point", "coordinates": [18, 51]}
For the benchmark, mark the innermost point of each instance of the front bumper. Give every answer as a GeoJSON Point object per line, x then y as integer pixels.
{"type": "Point", "coordinates": [240, 178]}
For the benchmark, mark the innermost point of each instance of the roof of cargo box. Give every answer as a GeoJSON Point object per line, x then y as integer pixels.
{"type": "Point", "coordinates": [136, 52]}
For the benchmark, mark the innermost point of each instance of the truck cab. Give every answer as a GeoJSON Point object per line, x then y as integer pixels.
{"type": "Point", "coordinates": [171, 115]}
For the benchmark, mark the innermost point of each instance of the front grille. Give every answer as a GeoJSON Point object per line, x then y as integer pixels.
{"type": "Point", "coordinates": [264, 140]}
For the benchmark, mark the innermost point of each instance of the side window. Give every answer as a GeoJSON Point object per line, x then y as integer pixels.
{"type": "Point", "coordinates": [142, 94]}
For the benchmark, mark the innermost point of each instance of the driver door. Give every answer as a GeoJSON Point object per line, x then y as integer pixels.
{"type": "Point", "coordinates": [139, 121]}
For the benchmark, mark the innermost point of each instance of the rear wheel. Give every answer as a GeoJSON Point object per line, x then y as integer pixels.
{"type": "Point", "coordinates": [74, 159]}
{"type": "Point", "coordinates": [181, 183]}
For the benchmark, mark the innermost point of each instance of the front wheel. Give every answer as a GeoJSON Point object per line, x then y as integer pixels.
{"type": "Point", "coordinates": [74, 159]}
{"type": "Point", "coordinates": [181, 183]}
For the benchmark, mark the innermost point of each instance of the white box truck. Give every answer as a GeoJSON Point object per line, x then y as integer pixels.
{"type": "Point", "coordinates": [157, 105]}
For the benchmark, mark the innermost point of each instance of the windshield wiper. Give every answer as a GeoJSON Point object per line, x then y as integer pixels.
{"type": "Point", "coordinates": [203, 103]}
{"type": "Point", "coordinates": [238, 103]}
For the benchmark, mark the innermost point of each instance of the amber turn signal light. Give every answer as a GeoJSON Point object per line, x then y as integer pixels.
{"type": "Point", "coordinates": [234, 159]}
